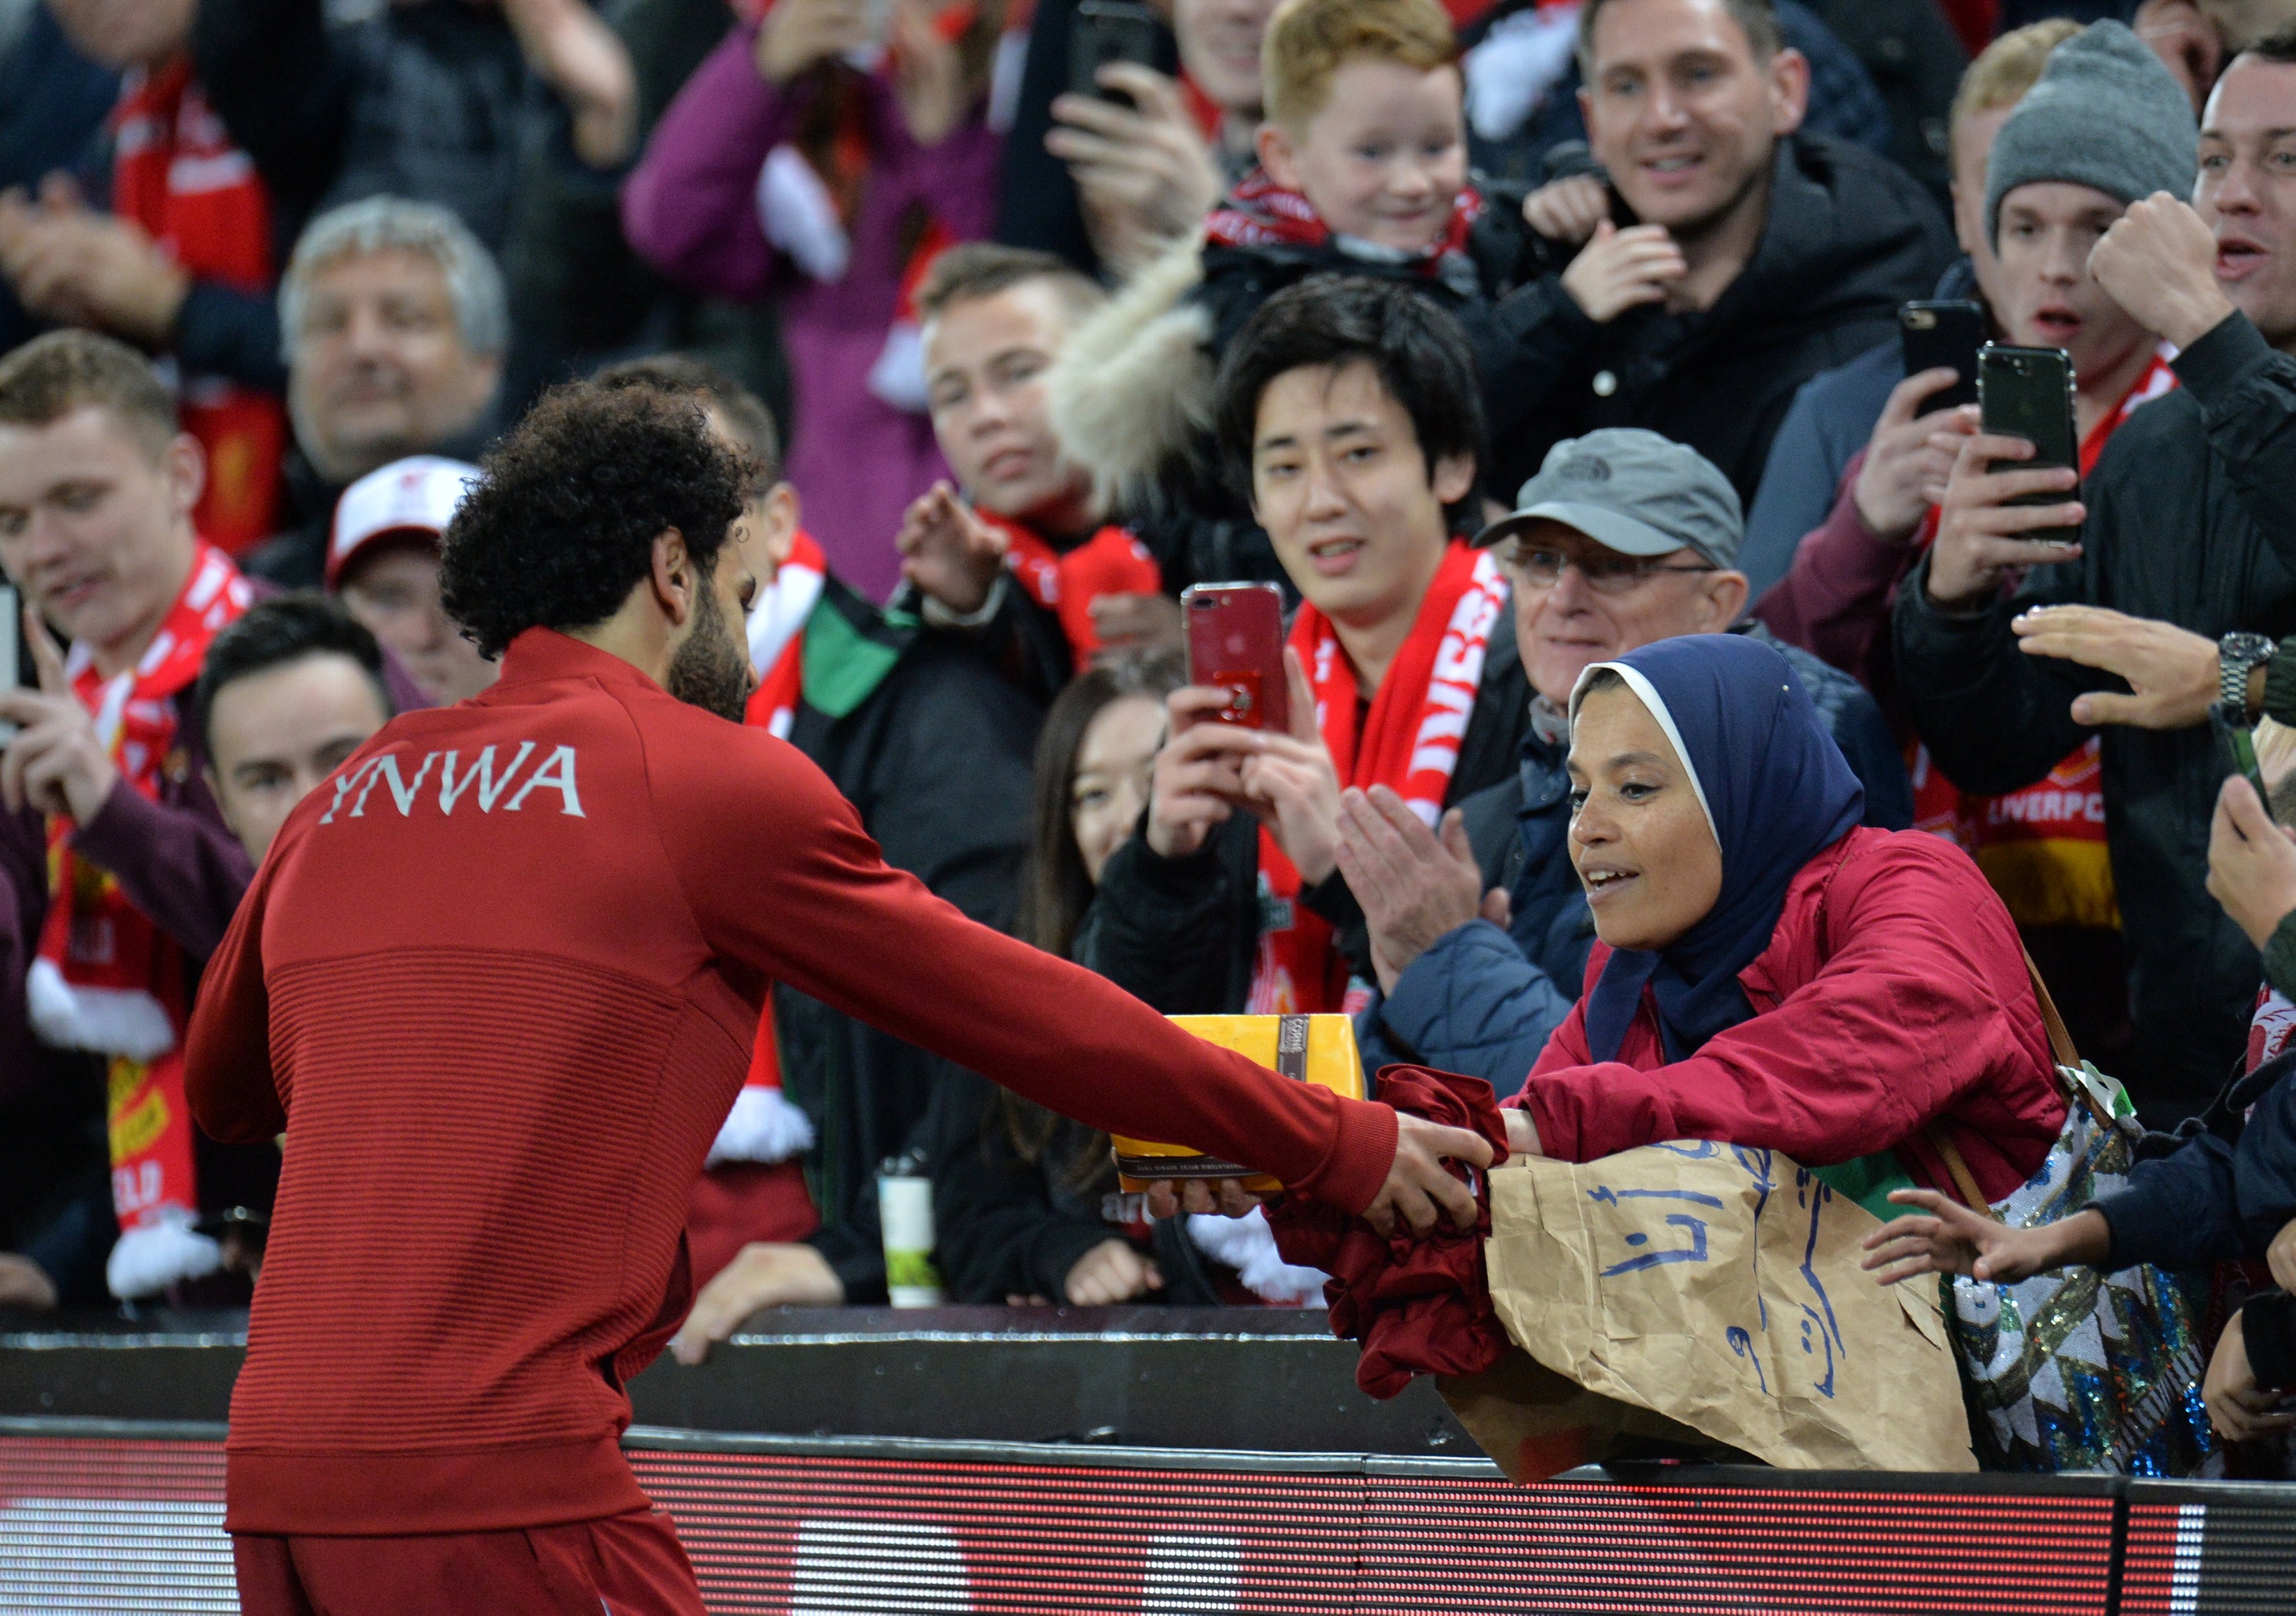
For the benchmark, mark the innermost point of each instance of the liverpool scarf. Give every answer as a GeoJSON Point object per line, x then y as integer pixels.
{"type": "Point", "coordinates": [1407, 741]}
{"type": "Point", "coordinates": [175, 172]}
{"type": "Point", "coordinates": [106, 979]}
{"type": "Point", "coordinates": [1066, 582]}
{"type": "Point", "coordinates": [763, 1126]}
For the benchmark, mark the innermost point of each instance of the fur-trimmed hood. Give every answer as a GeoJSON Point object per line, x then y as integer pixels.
{"type": "Point", "coordinates": [1131, 393]}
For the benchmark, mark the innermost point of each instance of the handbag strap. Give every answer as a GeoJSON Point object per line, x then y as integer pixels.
{"type": "Point", "coordinates": [1963, 1180]}
{"type": "Point", "coordinates": [2061, 1042]}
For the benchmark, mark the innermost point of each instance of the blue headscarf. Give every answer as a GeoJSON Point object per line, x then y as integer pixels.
{"type": "Point", "coordinates": [1777, 791]}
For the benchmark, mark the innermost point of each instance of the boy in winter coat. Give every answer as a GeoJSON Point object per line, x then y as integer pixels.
{"type": "Point", "coordinates": [1363, 171]}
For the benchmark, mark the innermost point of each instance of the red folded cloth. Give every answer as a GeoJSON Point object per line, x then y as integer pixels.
{"type": "Point", "coordinates": [1420, 1305]}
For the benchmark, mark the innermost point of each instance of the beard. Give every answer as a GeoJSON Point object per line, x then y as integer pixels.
{"type": "Point", "coordinates": [711, 670]}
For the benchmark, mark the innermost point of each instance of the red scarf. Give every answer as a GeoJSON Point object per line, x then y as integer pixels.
{"type": "Point", "coordinates": [777, 635]}
{"type": "Point", "coordinates": [1112, 562]}
{"type": "Point", "coordinates": [1408, 741]}
{"type": "Point", "coordinates": [107, 979]}
{"type": "Point", "coordinates": [1260, 213]}
{"type": "Point", "coordinates": [175, 172]}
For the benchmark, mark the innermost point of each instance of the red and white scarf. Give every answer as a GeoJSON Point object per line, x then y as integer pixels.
{"type": "Point", "coordinates": [175, 172]}
{"type": "Point", "coordinates": [1112, 562]}
{"type": "Point", "coordinates": [1260, 213]}
{"type": "Point", "coordinates": [108, 980]}
{"type": "Point", "coordinates": [777, 635]}
{"type": "Point", "coordinates": [763, 1125]}
{"type": "Point", "coordinates": [1408, 741]}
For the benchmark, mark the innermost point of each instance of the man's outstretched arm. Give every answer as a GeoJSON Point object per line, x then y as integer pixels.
{"type": "Point", "coordinates": [793, 884]}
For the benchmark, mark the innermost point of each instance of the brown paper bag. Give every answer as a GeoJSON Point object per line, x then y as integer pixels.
{"type": "Point", "coordinates": [1712, 1287]}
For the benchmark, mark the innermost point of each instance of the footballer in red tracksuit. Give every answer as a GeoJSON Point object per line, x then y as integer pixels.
{"type": "Point", "coordinates": [497, 982]}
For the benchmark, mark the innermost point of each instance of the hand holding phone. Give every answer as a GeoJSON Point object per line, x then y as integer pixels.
{"type": "Point", "coordinates": [11, 619]}
{"type": "Point", "coordinates": [1943, 334]}
{"type": "Point", "coordinates": [1106, 32]}
{"type": "Point", "coordinates": [1235, 643]}
{"type": "Point", "coordinates": [2028, 393]}
{"type": "Point", "coordinates": [2236, 747]}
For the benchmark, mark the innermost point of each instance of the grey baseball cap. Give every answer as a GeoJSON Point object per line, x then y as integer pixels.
{"type": "Point", "coordinates": [1632, 491]}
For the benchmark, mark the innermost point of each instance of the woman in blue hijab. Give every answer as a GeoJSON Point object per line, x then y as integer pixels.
{"type": "Point", "coordinates": [1770, 973]}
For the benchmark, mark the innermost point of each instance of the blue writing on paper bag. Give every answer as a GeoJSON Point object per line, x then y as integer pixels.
{"type": "Point", "coordinates": [1719, 1285]}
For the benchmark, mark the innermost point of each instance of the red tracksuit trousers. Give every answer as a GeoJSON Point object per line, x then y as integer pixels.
{"type": "Point", "coordinates": [624, 1565]}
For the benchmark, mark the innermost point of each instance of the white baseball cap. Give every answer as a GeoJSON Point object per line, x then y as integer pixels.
{"type": "Point", "coordinates": [417, 494]}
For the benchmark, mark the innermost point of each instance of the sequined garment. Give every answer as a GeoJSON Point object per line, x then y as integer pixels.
{"type": "Point", "coordinates": [2075, 1369]}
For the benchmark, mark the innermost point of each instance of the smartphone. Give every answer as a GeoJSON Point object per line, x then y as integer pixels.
{"type": "Point", "coordinates": [1235, 643]}
{"type": "Point", "coordinates": [11, 619]}
{"type": "Point", "coordinates": [2028, 393]}
{"type": "Point", "coordinates": [2236, 748]}
{"type": "Point", "coordinates": [1107, 31]}
{"type": "Point", "coordinates": [1947, 333]}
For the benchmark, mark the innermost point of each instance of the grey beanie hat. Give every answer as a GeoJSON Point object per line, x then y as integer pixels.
{"type": "Point", "coordinates": [2106, 114]}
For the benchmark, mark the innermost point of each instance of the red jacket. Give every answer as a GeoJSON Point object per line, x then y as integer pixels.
{"type": "Point", "coordinates": [1893, 993]}
{"type": "Point", "coordinates": [499, 982]}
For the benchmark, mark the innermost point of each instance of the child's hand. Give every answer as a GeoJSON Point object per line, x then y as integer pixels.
{"type": "Point", "coordinates": [1946, 1237]}
{"type": "Point", "coordinates": [1569, 208]}
{"type": "Point", "coordinates": [2280, 1256]}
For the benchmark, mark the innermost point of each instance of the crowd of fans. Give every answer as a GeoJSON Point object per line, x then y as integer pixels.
{"type": "Point", "coordinates": [1504, 339]}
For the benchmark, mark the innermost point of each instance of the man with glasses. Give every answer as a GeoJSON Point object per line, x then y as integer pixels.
{"type": "Point", "coordinates": [1478, 930]}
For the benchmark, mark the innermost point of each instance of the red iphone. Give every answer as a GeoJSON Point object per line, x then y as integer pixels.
{"type": "Point", "coordinates": [1235, 642]}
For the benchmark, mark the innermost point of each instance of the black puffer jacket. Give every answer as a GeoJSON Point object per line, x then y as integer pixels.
{"type": "Point", "coordinates": [1850, 238]}
{"type": "Point", "coordinates": [933, 742]}
{"type": "Point", "coordinates": [2188, 522]}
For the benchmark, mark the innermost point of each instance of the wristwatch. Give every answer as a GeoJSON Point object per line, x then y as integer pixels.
{"type": "Point", "coordinates": [2238, 655]}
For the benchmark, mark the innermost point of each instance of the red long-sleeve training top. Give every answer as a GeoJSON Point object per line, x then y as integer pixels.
{"type": "Point", "coordinates": [498, 982]}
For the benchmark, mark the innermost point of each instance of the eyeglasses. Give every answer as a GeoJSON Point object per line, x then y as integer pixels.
{"type": "Point", "coordinates": [1610, 576]}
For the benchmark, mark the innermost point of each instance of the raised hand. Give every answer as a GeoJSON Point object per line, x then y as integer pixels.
{"type": "Point", "coordinates": [1414, 885]}
{"type": "Point", "coordinates": [1568, 209]}
{"type": "Point", "coordinates": [1622, 269]}
{"type": "Point", "coordinates": [1979, 535]}
{"type": "Point", "coordinates": [2158, 262]}
{"type": "Point", "coordinates": [1290, 783]}
{"type": "Point", "coordinates": [946, 551]}
{"type": "Point", "coordinates": [56, 763]}
{"type": "Point", "coordinates": [1144, 173]}
{"type": "Point", "coordinates": [1908, 458]}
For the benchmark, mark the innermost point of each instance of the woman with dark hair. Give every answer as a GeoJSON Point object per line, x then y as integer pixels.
{"type": "Point", "coordinates": [1026, 1200]}
{"type": "Point", "coordinates": [1768, 972]}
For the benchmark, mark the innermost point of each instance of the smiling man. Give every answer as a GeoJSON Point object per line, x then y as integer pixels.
{"type": "Point", "coordinates": [395, 323]}
{"type": "Point", "coordinates": [1738, 259]}
{"type": "Point", "coordinates": [1347, 408]}
{"type": "Point", "coordinates": [2183, 536]}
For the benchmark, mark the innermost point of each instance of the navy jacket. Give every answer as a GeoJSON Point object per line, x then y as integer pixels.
{"type": "Point", "coordinates": [1484, 1001]}
{"type": "Point", "coordinates": [2221, 1193]}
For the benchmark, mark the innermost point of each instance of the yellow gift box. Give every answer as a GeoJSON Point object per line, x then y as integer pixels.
{"type": "Point", "coordinates": [1319, 1049]}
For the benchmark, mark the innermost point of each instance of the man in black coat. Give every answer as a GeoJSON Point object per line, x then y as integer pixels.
{"type": "Point", "coordinates": [2185, 537]}
{"type": "Point", "coordinates": [1726, 259]}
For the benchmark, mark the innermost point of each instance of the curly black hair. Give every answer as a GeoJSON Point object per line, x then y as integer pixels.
{"type": "Point", "coordinates": [561, 526]}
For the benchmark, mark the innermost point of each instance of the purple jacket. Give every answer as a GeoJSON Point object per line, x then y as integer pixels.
{"type": "Point", "coordinates": [690, 207]}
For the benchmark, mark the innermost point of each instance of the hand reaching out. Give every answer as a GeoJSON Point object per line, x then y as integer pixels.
{"type": "Point", "coordinates": [1109, 1273]}
{"type": "Point", "coordinates": [2172, 673]}
{"type": "Point", "coordinates": [1946, 1237]}
{"type": "Point", "coordinates": [765, 1275]}
{"type": "Point", "coordinates": [947, 551]}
